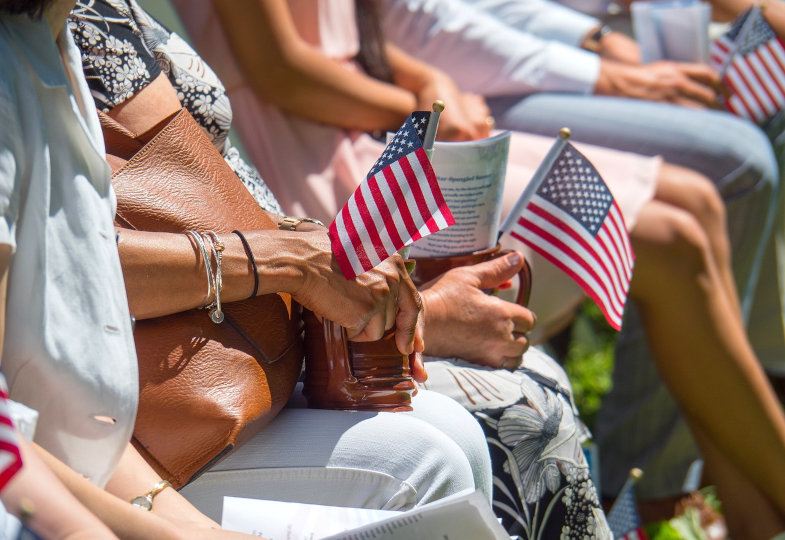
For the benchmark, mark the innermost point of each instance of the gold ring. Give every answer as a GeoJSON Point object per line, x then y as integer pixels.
{"type": "Point", "coordinates": [491, 122]}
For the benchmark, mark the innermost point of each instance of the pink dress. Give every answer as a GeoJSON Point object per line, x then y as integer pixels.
{"type": "Point", "coordinates": [314, 168]}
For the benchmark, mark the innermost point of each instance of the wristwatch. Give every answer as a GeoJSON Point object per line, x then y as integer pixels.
{"type": "Point", "coordinates": [291, 223]}
{"type": "Point", "coordinates": [592, 42]}
{"type": "Point", "coordinates": [145, 502]}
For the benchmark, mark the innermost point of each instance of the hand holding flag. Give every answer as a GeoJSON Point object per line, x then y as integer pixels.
{"type": "Point", "coordinates": [568, 215]}
{"type": "Point", "coordinates": [398, 203]}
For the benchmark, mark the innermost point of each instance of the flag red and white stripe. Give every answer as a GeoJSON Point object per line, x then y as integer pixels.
{"type": "Point", "coordinates": [398, 203]}
{"type": "Point", "coordinates": [751, 60]}
{"type": "Point", "coordinates": [573, 221]}
{"type": "Point", "coordinates": [10, 456]}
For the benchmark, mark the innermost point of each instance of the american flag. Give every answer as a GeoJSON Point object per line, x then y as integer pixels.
{"type": "Point", "coordinates": [623, 518]}
{"type": "Point", "coordinates": [751, 60]}
{"type": "Point", "coordinates": [10, 457]}
{"type": "Point", "coordinates": [573, 221]}
{"type": "Point", "coordinates": [399, 202]}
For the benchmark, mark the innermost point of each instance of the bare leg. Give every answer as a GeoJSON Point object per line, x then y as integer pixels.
{"type": "Point", "coordinates": [738, 495]}
{"type": "Point", "coordinates": [702, 352]}
{"type": "Point", "coordinates": [693, 192]}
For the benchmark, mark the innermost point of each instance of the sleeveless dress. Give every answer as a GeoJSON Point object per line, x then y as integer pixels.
{"type": "Point", "coordinates": [542, 485]}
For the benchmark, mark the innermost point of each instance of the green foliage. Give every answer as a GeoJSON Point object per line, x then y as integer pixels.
{"type": "Point", "coordinates": [684, 527]}
{"type": "Point", "coordinates": [589, 360]}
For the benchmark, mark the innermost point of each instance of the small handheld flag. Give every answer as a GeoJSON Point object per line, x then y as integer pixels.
{"type": "Point", "coordinates": [399, 202]}
{"type": "Point", "coordinates": [750, 58]}
{"type": "Point", "coordinates": [568, 215]}
{"type": "Point", "coordinates": [623, 518]}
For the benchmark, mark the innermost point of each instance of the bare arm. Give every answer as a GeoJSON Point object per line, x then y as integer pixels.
{"type": "Point", "coordinates": [164, 274]}
{"type": "Point", "coordinates": [172, 517]}
{"type": "Point", "coordinates": [287, 72]}
{"type": "Point", "coordinates": [55, 513]}
{"type": "Point", "coordinates": [465, 117]}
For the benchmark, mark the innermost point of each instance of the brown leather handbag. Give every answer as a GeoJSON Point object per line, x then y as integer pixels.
{"type": "Point", "coordinates": [204, 387]}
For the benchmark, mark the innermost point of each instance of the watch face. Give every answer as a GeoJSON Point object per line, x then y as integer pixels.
{"type": "Point", "coordinates": [143, 502]}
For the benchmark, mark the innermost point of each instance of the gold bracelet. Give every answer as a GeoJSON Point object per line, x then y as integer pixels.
{"type": "Point", "coordinates": [291, 223]}
{"type": "Point", "coordinates": [145, 502]}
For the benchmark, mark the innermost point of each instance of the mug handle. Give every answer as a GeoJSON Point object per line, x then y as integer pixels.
{"type": "Point", "coordinates": [524, 278]}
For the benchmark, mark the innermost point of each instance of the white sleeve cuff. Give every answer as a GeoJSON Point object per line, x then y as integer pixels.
{"type": "Point", "coordinates": [566, 69]}
{"type": "Point", "coordinates": [562, 24]}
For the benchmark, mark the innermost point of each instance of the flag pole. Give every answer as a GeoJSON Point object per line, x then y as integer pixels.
{"type": "Point", "coordinates": [433, 125]}
{"type": "Point", "coordinates": [539, 175]}
{"type": "Point", "coordinates": [632, 479]}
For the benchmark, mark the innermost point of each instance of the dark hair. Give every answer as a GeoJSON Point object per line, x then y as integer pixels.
{"type": "Point", "coordinates": [34, 8]}
{"type": "Point", "coordinates": [371, 56]}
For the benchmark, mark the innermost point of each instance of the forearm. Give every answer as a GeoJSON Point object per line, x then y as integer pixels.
{"type": "Point", "coordinates": [165, 273]}
{"type": "Point", "coordinates": [285, 71]}
{"type": "Point", "coordinates": [409, 72]}
{"type": "Point", "coordinates": [125, 520]}
{"type": "Point", "coordinates": [53, 511]}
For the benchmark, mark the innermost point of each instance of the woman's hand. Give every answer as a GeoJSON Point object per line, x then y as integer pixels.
{"type": "Point", "coordinates": [465, 115]}
{"type": "Point", "coordinates": [462, 321]}
{"type": "Point", "coordinates": [476, 110]}
{"type": "Point", "coordinates": [375, 301]}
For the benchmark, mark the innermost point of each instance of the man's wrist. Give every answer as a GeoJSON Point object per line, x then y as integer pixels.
{"type": "Point", "coordinates": [593, 40]}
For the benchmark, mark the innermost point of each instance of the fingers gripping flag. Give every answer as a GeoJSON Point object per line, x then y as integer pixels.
{"type": "Point", "coordinates": [573, 221]}
{"type": "Point", "coordinates": [751, 60]}
{"type": "Point", "coordinates": [399, 202]}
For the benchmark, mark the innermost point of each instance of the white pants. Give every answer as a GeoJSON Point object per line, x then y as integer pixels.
{"type": "Point", "coordinates": [391, 461]}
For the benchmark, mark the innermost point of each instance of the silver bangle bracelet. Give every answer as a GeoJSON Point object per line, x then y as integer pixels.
{"type": "Point", "coordinates": [217, 247]}
{"type": "Point", "coordinates": [206, 259]}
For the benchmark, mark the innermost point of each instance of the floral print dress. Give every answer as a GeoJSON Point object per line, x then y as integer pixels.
{"type": "Point", "coordinates": [124, 50]}
{"type": "Point", "coordinates": [542, 486]}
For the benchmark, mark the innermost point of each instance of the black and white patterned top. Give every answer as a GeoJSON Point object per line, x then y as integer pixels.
{"type": "Point", "coordinates": [124, 49]}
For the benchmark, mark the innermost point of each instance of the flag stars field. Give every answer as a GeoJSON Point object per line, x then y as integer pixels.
{"type": "Point", "coordinates": [573, 221]}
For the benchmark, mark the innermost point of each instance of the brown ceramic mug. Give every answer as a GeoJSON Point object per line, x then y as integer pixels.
{"type": "Point", "coordinates": [428, 268]}
{"type": "Point", "coordinates": [343, 374]}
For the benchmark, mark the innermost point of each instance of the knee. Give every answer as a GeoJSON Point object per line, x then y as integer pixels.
{"type": "Point", "coordinates": [428, 460]}
{"type": "Point", "coordinates": [753, 153]}
{"type": "Point", "coordinates": [680, 247]}
{"type": "Point", "coordinates": [453, 420]}
{"type": "Point", "coordinates": [709, 207]}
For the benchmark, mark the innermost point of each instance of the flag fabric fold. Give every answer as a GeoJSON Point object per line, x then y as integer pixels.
{"type": "Point", "coordinates": [751, 60]}
{"type": "Point", "coordinates": [10, 456]}
{"type": "Point", "coordinates": [398, 203]}
{"type": "Point", "coordinates": [573, 221]}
